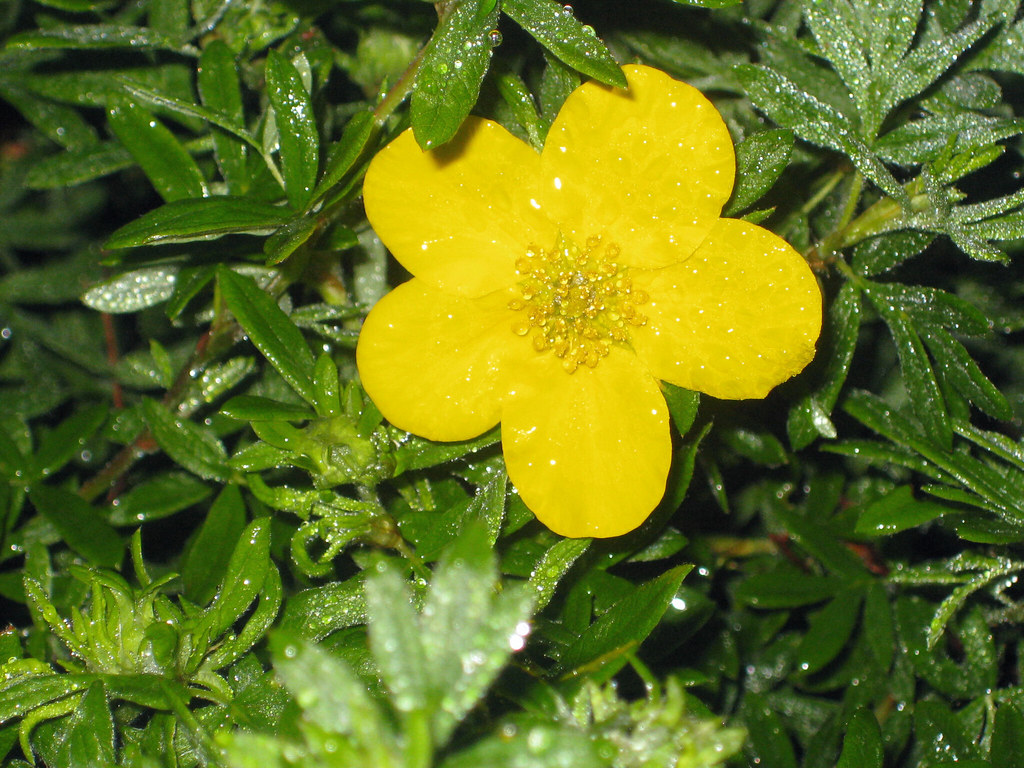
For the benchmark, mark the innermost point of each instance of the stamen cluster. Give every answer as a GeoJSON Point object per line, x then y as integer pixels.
{"type": "Point", "coordinates": [576, 301]}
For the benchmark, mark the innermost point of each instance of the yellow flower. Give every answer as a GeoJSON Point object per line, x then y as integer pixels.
{"type": "Point", "coordinates": [552, 292]}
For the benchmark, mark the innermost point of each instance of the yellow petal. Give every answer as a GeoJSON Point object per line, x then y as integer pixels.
{"type": "Point", "coordinates": [459, 216]}
{"type": "Point", "coordinates": [432, 362]}
{"type": "Point", "coordinates": [736, 319]}
{"type": "Point", "coordinates": [588, 451]}
{"type": "Point", "coordinates": [649, 169]}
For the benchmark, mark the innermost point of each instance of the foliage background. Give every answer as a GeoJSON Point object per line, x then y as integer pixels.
{"type": "Point", "coordinates": [214, 553]}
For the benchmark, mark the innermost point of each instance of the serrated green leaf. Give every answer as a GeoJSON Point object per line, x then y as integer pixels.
{"type": "Point", "coordinates": [923, 65]}
{"type": "Point", "coordinates": [219, 89]}
{"type": "Point", "coordinates": [963, 372]}
{"type": "Point", "coordinates": [132, 291]}
{"type": "Point", "coordinates": [453, 68]}
{"type": "Point", "coordinates": [89, 736]}
{"type": "Point", "coordinates": [760, 160]}
{"type": "Point", "coordinates": [817, 122]}
{"type": "Point", "coordinates": [81, 526]}
{"type": "Point", "coordinates": [396, 641]}
{"type": "Point", "coordinates": [270, 330]}
{"type": "Point", "coordinates": [554, 564]}
{"type": "Point", "coordinates": [207, 218]}
{"type": "Point", "coordinates": [298, 134]}
{"type": "Point", "coordinates": [880, 254]}
{"type": "Point", "coordinates": [317, 612]}
{"type": "Point", "coordinates": [171, 170]}
{"type": "Point", "coordinates": [554, 26]}
{"type": "Point", "coordinates": [897, 511]}
{"type": "Point", "coordinates": [330, 693]}
{"type": "Point", "coordinates": [918, 374]}
{"type": "Point", "coordinates": [623, 626]}
{"type": "Point", "coordinates": [862, 746]}
{"type": "Point", "coordinates": [192, 446]}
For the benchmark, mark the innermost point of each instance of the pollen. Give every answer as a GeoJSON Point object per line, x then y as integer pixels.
{"type": "Point", "coordinates": [576, 301]}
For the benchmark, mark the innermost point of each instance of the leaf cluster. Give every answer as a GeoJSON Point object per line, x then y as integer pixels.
{"type": "Point", "coordinates": [214, 550]}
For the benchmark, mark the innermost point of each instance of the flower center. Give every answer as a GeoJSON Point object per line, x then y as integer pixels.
{"type": "Point", "coordinates": [576, 301]}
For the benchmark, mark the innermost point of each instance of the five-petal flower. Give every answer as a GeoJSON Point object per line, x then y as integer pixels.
{"type": "Point", "coordinates": [551, 292]}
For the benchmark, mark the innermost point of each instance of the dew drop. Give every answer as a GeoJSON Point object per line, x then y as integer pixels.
{"type": "Point", "coordinates": [457, 63]}
{"type": "Point", "coordinates": [494, 36]}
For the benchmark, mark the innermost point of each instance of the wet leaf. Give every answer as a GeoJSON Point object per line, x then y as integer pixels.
{"type": "Point", "coordinates": [297, 129]}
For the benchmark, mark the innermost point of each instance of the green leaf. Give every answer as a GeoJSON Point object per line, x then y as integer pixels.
{"type": "Point", "coordinates": [331, 694]}
{"type": "Point", "coordinates": [220, 91]}
{"type": "Point", "coordinates": [315, 613]}
{"type": "Point", "coordinates": [880, 254]}
{"type": "Point", "coordinates": [94, 36]}
{"type": "Point", "coordinates": [682, 406]}
{"type": "Point", "coordinates": [206, 559]}
{"type": "Point", "coordinates": [829, 631]}
{"type": "Point", "coordinates": [769, 742]}
{"type": "Point", "coordinates": [296, 124]}
{"type": "Point", "coordinates": [555, 27]}
{"type": "Point", "coordinates": [817, 122]}
{"type": "Point", "coordinates": [537, 746]}
{"type": "Point", "coordinates": [80, 525]}
{"type": "Point", "coordinates": [58, 447]}
{"type": "Point", "coordinates": [957, 365]}
{"type": "Point", "coordinates": [918, 374]}
{"type": "Point", "coordinates": [709, 3]}
{"type": "Point", "coordinates": [811, 416]}
{"type": "Point", "coordinates": [192, 446]}
{"type": "Point", "coordinates": [158, 497]}
{"type": "Point", "coordinates": [519, 99]}
{"type": "Point", "coordinates": [760, 160]}
{"type": "Point", "coordinates": [78, 166]}
{"type": "Point", "coordinates": [344, 154]}
{"type": "Point", "coordinates": [285, 241]}
{"type": "Point", "coordinates": [171, 169]}
{"type": "Point", "coordinates": [623, 626]}
{"type": "Point", "coordinates": [862, 746]}
{"type": "Point", "coordinates": [254, 408]}
{"type": "Point", "coordinates": [58, 122]}
{"type": "Point", "coordinates": [247, 569]}
{"type": "Point", "coordinates": [453, 68]}
{"type": "Point", "coordinates": [1007, 737]}
{"type": "Point", "coordinates": [787, 587]}
{"type": "Point", "coordinates": [877, 626]}
{"type": "Point", "coordinates": [897, 511]}
{"type": "Point", "coordinates": [89, 737]}
{"type": "Point", "coordinates": [270, 330]}
{"type": "Point", "coordinates": [554, 564]}
{"type": "Point", "coordinates": [208, 218]}
{"type": "Point", "coordinates": [132, 291]}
